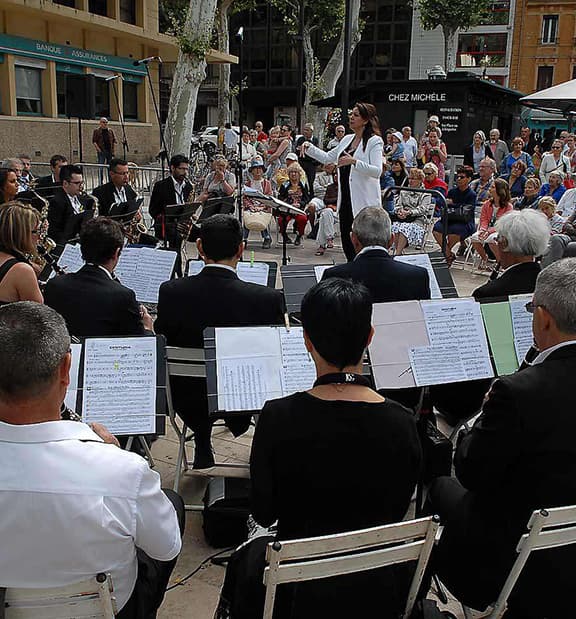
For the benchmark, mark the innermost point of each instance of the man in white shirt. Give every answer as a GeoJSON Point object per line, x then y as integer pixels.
{"type": "Point", "coordinates": [339, 133]}
{"type": "Point", "coordinates": [73, 503]}
{"type": "Point", "coordinates": [410, 147]}
{"type": "Point", "coordinates": [230, 139]}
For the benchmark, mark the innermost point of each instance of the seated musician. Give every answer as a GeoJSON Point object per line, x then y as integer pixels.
{"type": "Point", "coordinates": [73, 503]}
{"type": "Point", "coordinates": [216, 297]}
{"type": "Point", "coordinates": [19, 231]}
{"type": "Point", "coordinates": [519, 456]}
{"type": "Point", "coordinates": [220, 183]}
{"type": "Point", "coordinates": [52, 179]}
{"type": "Point", "coordinates": [118, 191]}
{"type": "Point", "coordinates": [92, 301]}
{"type": "Point", "coordinates": [386, 279]}
{"type": "Point", "coordinates": [8, 185]}
{"type": "Point", "coordinates": [68, 208]}
{"type": "Point", "coordinates": [175, 189]}
{"type": "Point", "coordinates": [301, 440]}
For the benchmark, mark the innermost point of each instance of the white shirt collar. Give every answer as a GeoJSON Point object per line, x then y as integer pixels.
{"type": "Point", "coordinates": [221, 266]}
{"type": "Point", "coordinates": [47, 432]}
{"type": "Point", "coordinates": [370, 248]}
{"type": "Point", "coordinates": [512, 266]}
{"type": "Point", "coordinates": [99, 266]}
{"type": "Point", "coordinates": [545, 353]}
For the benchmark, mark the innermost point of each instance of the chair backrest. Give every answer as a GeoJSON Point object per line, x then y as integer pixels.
{"type": "Point", "coordinates": [346, 553]}
{"type": "Point", "coordinates": [547, 528]}
{"type": "Point", "coordinates": [187, 362]}
{"type": "Point", "coordinates": [89, 599]}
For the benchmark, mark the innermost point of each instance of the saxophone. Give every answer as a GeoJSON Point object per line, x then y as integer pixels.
{"type": "Point", "coordinates": [46, 245]}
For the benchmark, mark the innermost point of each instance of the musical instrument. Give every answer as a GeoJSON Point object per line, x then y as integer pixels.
{"type": "Point", "coordinates": [135, 228]}
{"type": "Point", "coordinates": [94, 206]}
{"type": "Point", "coordinates": [45, 245]}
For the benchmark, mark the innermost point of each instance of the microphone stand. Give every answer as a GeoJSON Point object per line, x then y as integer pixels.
{"type": "Point", "coordinates": [125, 147]}
{"type": "Point", "coordinates": [164, 151]}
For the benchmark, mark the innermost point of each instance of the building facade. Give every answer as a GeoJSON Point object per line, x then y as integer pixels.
{"type": "Point", "coordinates": [544, 48]}
{"type": "Point", "coordinates": [485, 50]}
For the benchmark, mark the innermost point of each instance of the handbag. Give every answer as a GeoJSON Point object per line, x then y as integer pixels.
{"type": "Point", "coordinates": [257, 221]}
{"type": "Point", "coordinates": [461, 213]}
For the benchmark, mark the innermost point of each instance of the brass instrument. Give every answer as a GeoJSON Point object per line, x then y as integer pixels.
{"type": "Point", "coordinates": [46, 245]}
{"type": "Point", "coordinates": [95, 203]}
{"type": "Point", "coordinates": [135, 228]}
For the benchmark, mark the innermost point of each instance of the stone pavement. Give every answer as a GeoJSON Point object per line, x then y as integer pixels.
{"type": "Point", "coordinates": [197, 596]}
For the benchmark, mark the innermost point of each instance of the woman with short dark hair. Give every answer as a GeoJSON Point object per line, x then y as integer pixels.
{"type": "Point", "coordinates": [305, 452]}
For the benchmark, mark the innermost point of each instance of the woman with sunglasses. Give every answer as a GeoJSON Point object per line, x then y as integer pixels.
{"type": "Point", "coordinates": [554, 161]}
{"type": "Point", "coordinates": [19, 230]}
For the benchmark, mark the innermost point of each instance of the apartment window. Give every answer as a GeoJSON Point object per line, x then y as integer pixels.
{"type": "Point", "coordinates": [478, 50]}
{"type": "Point", "coordinates": [130, 95]}
{"type": "Point", "coordinates": [70, 3]}
{"type": "Point", "coordinates": [549, 29]}
{"type": "Point", "coordinates": [545, 76]}
{"type": "Point", "coordinates": [102, 107]}
{"type": "Point", "coordinates": [28, 90]}
{"type": "Point", "coordinates": [98, 7]}
{"type": "Point", "coordinates": [497, 15]}
{"type": "Point", "coordinates": [128, 11]}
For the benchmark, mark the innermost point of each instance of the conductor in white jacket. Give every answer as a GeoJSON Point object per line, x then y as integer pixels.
{"type": "Point", "coordinates": [359, 160]}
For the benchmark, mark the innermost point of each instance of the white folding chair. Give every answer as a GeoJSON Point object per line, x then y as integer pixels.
{"type": "Point", "coordinates": [89, 599]}
{"type": "Point", "coordinates": [427, 239]}
{"type": "Point", "coordinates": [547, 528]}
{"type": "Point", "coordinates": [189, 363]}
{"type": "Point", "coordinates": [345, 553]}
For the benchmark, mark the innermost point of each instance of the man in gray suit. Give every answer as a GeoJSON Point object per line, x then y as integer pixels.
{"type": "Point", "coordinates": [498, 147]}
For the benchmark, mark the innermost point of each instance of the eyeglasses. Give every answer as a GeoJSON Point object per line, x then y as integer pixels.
{"type": "Point", "coordinates": [531, 306]}
{"type": "Point", "coordinates": [428, 173]}
{"type": "Point", "coordinates": [76, 182]}
{"type": "Point", "coordinates": [460, 176]}
{"type": "Point", "coordinates": [555, 147]}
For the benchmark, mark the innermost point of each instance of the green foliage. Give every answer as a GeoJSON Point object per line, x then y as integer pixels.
{"type": "Point", "coordinates": [325, 15]}
{"type": "Point", "coordinates": [171, 13]}
{"type": "Point", "coordinates": [452, 14]}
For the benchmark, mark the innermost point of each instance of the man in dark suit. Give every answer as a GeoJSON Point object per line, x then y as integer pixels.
{"type": "Point", "coordinates": [216, 297]}
{"type": "Point", "coordinates": [519, 456]}
{"type": "Point", "coordinates": [175, 189]}
{"type": "Point", "coordinates": [117, 190]}
{"type": "Point", "coordinates": [522, 236]}
{"type": "Point", "coordinates": [385, 278]}
{"type": "Point", "coordinates": [68, 209]}
{"type": "Point", "coordinates": [52, 179]}
{"type": "Point", "coordinates": [92, 301]}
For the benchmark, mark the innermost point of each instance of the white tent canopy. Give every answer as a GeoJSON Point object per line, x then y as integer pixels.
{"type": "Point", "coordinates": [561, 97]}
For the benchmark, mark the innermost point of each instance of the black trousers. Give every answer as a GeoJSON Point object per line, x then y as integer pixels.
{"type": "Point", "coordinates": [153, 575]}
{"type": "Point", "coordinates": [346, 218]}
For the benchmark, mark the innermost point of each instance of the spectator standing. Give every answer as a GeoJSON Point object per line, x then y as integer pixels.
{"type": "Point", "coordinates": [434, 151]}
{"type": "Point", "coordinates": [339, 133]}
{"type": "Point", "coordinates": [554, 161]}
{"type": "Point", "coordinates": [262, 135]}
{"type": "Point", "coordinates": [247, 150]}
{"type": "Point", "coordinates": [307, 163]}
{"type": "Point", "coordinates": [518, 154]}
{"type": "Point", "coordinates": [230, 139]}
{"type": "Point", "coordinates": [529, 140]}
{"type": "Point", "coordinates": [477, 151]}
{"type": "Point", "coordinates": [410, 147]}
{"type": "Point", "coordinates": [498, 147]}
{"type": "Point", "coordinates": [104, 142]}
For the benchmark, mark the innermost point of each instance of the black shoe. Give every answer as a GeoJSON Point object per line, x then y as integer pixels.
{"type": "Point", "coordinates": [287, 239]}
{"type": "Point", "coordinates": [298, 239]}
{"type": "Point", "coordinates": [203, 456]}
{"type": "Point", "coordinates": [267, 244]}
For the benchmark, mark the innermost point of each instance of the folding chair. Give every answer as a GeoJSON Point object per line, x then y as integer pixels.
{"type": "Point", "coordinates": [547, 528]}
{"type": "Point", "coordinates": [427, 230]}
{"type": "Point", "coordinates": [189, 363]}
{"type": "Point", "coordinates": [345, 553]}
{"type": "Point", "coordinates": [89, 599]}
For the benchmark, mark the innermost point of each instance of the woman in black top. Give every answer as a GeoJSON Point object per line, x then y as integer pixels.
{"type": "Point", "coordinates": [336, 458]}
{"type": "Point", "coordinates": [8, 185]}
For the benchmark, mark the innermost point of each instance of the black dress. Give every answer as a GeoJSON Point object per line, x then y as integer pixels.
{"type": "Point", "coordinates": [321, 467]}
{"type": "Point", "coordinates": [4, 271]}
{"type": "Point", "coordinates": [345, 213]}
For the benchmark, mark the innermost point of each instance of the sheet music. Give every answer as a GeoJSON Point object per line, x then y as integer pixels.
{"type": "Point", "coordinates": [436, 365]}
{"type": "Point", "coordinates": [319, 270]}
{"type": "Point", "coordinates": [253, 272]}
{"type": "Point", "coordinates": [248, 367]}
{"type": "Point", "coordinates": [70, 259]}
{"type": "Point", "coordinates": [144, 270]}
{"type": "Point", "coordinates": [398, 327]}
{"type": "Point", "coordinates": [458, 323]}
{"type": "Point", "coordinates": [298, 369]}
{"type": "Point", "coordinates": [521, 325]}
{"type": "Point", "coordinates": [423, 260]}
{"type": "Point", "coordinates": [72, 391]}
{"type": "Point", "coordinates": [120, 384]}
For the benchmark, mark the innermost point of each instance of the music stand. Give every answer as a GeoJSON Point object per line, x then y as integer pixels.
{"type": "Point", "coordinates": [280, 209]}
{"type": "Point", "coordinates": [216, 206]}
{"type": "Point", "coordinates": [124, 212]}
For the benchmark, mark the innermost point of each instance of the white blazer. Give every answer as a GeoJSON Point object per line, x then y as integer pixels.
{"type": "Point", "coordinates": [364, 175]}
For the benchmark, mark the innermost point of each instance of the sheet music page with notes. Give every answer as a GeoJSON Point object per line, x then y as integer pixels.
{"type": "Point", "coordinates": [120, 384]}
{"type": "Point", "coordinates": [154, 268]}
{"type": "Point", "coordinates": [423, 260]}
{"type": "Point", "coordinates": [253, 272]}
{"type": "Point", "coordinates": [521, 324]}
{"type": "Point", "coordinates": [248, 367]}
{"type": "Point", "coordinates": [298, 369]}
{"type": "Point", "coordinates": [70, 259]}
{"type": "Point", "coordinates": [436, 365]}
{"type": "Point", "coordinates": [458, 323]}
{"type": "Point", "coordinates": [398, 327]}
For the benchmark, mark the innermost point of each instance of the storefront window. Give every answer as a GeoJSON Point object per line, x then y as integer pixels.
{"type": "Point", "coordinates": [61, 93]}
{"type": "Point", "coordinates": [28, 90]}
{"type": "Point", "coordinates": [130, 101]}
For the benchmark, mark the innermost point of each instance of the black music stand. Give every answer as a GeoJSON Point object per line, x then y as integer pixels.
{"type": "Point", "coordinates": [280, 209]}
{"type": "Point", "coordinates": [124, 212]}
